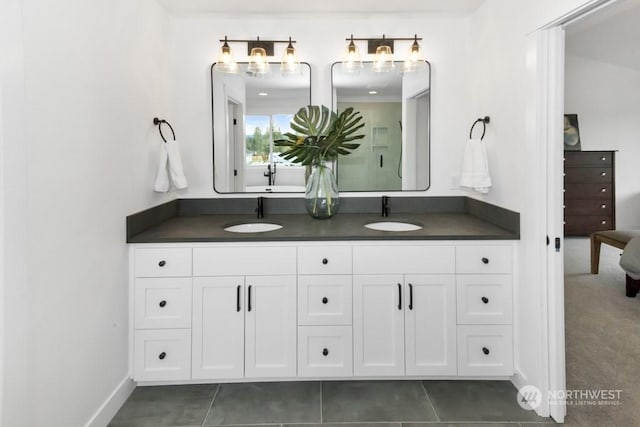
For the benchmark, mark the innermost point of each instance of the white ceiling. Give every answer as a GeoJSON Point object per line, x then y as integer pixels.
{"type": "Point", "coordinates": [325, 6]}
{"type": "Point", "coordinates": [610, 34]}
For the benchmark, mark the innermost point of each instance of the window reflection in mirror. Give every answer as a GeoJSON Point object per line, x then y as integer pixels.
{"type": "Point", "coordinates": [394, 155]}
{"type": "Point", "coordinates": [249, 113]}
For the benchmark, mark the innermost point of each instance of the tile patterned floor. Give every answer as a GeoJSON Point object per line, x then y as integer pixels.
{"type": "Point", "coordinates": [329, 404]}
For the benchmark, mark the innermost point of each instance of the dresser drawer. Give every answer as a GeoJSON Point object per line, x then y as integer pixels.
{"type": "Point", "coordinates": [325, 351]}
{"type": "Point", "coordinates": [483, 259]}
{"type": "Point", "coordinates": [324, 300]}
{"type": "Point", "coordinates": [162, 355]}
{"type": "Point", "coordinates": [324, 260]}
{"type": "Point", "coordinates": [244, 261]}
{"type": "Point", "coordinates": [163, 303]}
{"type": "Point", "coordinates": [485, 350]}
{"type": "Point", "coordinates": [484, 299]}
{"type": "Point", "coordinates": [403, 259]}
{"type": "Point", "coordinates": [599, 191]}
{"type": "Point", "coordinates": [588, 158]}
{"type": "Point", "coordinates": [587, 224]}
{"type": "Point", "coordinates": [578, 207]}
{"type": "Point", "coordinates": [588, 174]}
{"type": "Point", "coordinates": [163, 262]}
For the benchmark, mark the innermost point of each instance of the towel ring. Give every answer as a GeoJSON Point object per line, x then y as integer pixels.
{"type": "Point", "coordinates": [484, 120]}
{"type": "Point", "coordinates": [158, 122]}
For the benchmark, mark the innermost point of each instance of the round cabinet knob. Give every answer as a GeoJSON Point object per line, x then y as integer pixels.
{"type": "Point", "coordinates": [603, 206]}
{"type": "Point", "coordinates": [325, 300]}
{"type": "Point", "coordinates": [325, 261]}
{"type": "Point", "coordinates": [485, 260]}
{"type": "Point", "coordinates": [603, 190]}
{"type": "Point", "coordinates": [485, 350]}
{"type": "Point", "coordinates": [603, 174]}
{"type": "Point", "coordinates": [485, 300]}
{"type": "Point", "coordinates": [325, 351]}
{"type": "Point", "coordinates": [162, 263]}
{"type": "Point", "coordinates": [603, 222]}
{"type": "Point", "coordinates": [162, 303]}
{"type": "Point", "coordinates": [162, 355]}
{"type": "Point", "coordinates": [603, 158]}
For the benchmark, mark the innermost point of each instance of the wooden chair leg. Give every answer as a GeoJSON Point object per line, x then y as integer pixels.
{"type": "Point", "coordinates": [595, 253]}
{"type": "Point", "coordinates": [633, 287]}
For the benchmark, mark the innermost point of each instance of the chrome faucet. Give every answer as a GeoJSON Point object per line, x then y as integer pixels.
{"type": "Point", "coordinates": [385, 206]}
{"type": "Point", "coordinates": [260, 208]}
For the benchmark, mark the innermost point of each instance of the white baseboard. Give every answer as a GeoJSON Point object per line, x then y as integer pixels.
{"type": "Point", "coordinates": [110, 407]}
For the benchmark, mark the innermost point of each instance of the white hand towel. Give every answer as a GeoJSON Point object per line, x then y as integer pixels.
{"type": "Point", "coordinates": [175, 165]}
{"type": "Point", "coordinates": [475, 167]}
{"type": "Point", "coordinates": [162, 184]}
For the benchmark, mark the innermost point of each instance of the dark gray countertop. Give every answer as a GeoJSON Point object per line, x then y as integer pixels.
{"type": "Point", "coordinates": [343, 226]}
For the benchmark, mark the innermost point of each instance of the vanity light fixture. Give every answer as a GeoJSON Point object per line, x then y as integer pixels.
{"type": "Point", "coordinates": [259, 52]}
{"type": "Point", "coordinates": [226, 62]}
{"type": "Point", "coordinates": [383, 50]}
{"type": "Point", "coordinates": [352, 62]}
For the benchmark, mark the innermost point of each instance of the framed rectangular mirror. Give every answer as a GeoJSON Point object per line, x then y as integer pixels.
{"type": "Point", "coordinates": [394, 155]}
{"type": "Point", "coordinates": [249, 112]}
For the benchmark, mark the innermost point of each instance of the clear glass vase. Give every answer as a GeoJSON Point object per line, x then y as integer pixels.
{"type": "Point", "coordinates": [321, 195]}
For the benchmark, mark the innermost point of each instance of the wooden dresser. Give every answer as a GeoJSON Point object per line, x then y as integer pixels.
{"type": "Point", "coordinates": [589, 192]}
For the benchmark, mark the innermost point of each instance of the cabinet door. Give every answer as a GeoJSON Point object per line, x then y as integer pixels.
{"type": "Point", "coordinates": [270, 336]}
{"type": "Point", "coordinates": [218, 327]}
{"type": "Point", "coordinates": [430, 325]}
{"type": "Point", "coordinates": [378, 325]}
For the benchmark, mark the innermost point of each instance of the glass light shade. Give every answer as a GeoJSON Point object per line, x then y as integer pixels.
{"type": "Point", "coordinates": [258, 63]}
{"type": "Point", "coordinates": [352, 62]}
{"type": "Point", "coordinates": [290, 64]}
{"type": "Point", "coordinates": [226, 63]}
{"type": "Point", "coordinates": [383, 62]}
{"type": "Point", "coordinates": [415, 60]}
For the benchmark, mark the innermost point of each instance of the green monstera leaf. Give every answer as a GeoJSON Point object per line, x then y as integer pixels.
{"type": "Point", "coordinates": [321, 134]}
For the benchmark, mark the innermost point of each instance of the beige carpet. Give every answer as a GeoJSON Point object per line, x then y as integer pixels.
{"type": "Point", "coordinates": [602, 336]}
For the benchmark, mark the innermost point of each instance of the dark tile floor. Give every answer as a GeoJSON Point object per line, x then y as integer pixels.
{"type": "Point", "coordinates": [328, 404]}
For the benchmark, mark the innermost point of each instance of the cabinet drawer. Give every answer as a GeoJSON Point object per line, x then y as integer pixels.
{"type": "Point", "coordinates": [403, 259]}
{"type": "Point", "coordinates": [163, 262]}
{"type": "Point", "coordinates": [484, 299]}
{"type": "Point", "coordinates": [244, 261]}
{"type": "Point", "coordinates": [325, 351]}
{"type": "Point", "coordinates": [162, 355]}
{"type": "Point", "coordinates": [485, 350]}
{"type": "Point", "coordinates": [599, 191]}
{"type": "Point", "coordinates": [579, 207]}
{"type": "Point", "coordinates": [324, 260]}
{"type": "Point", "coordinates": [588, 158]}
{"type": "Point", "coordinates": [324, 300]}
{"type": "Point", "coordinates": [588, 174]}
{"type": "Point", "coordinates": [483, 259]}
{"type": "Point", "coordinates": [587, 224]}
{"type": "Point", "coordinates": [163, 303]}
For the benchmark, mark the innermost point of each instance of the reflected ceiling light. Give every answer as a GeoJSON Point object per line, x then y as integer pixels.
{"type": "Point", "coordinates": [226, 62]}
{"type": "Point", "coordinates": [352, 62]}
{"type": "Point", "coordinates": [373, 92]}
{"type": "Point", "coordinates": [263, 94]}
{"type": "Point", "coordinates": [290, 63]}
{"type": "Point", "coordinates": [416, 60]}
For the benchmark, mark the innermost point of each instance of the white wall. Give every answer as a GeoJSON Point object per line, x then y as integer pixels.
{"type": "Point", "coordinates": [84, 82]}
{"type": "Point", "coordinates": [321, 41]}
{"type": "Point", "coordinates": [605, 97]}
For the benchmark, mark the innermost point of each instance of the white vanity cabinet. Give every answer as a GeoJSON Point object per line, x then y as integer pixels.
{"type": "Point", "coordinates": [244, 322]}
{"type": "Point", "coordinates": [208, 312]}
{"type": "Point", "coordinates": [404, 319]}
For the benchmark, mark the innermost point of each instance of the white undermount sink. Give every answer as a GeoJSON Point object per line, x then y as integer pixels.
{"type": "Point", "coordinates": [393, 226]}
{"type": "Point", "coordinates": [253, 227]}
